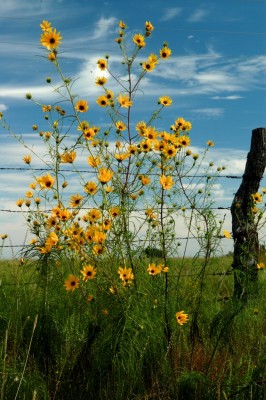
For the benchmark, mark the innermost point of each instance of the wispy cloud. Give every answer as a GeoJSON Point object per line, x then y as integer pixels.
{"type": "Point", "coordinates": [102, 27]}
{"type": "Point", "coordinates": [170, 13]}
{"type": "Point", "coordinates": [198, 15]}
{"type": "Point", "coordinates": [232, 97]}
{"type": "Point", "coordinates": [3, 107]}
{"type": "Point", "coordinates": [209, 112]}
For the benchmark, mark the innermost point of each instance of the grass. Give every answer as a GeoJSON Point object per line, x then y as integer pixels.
{"type": "Point", "coordinates": [56, 345]}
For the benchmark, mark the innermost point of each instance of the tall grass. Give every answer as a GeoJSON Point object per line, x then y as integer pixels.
{"type": "Point", "coordinates": [83, 350]}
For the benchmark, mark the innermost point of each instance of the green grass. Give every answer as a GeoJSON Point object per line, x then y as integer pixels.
{"type": "Point", "coordinates": [57, 345]}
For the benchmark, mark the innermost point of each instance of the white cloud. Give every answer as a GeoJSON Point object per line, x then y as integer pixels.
{"type": "Point", "coordinates": [103, 28]}
{"type": "Point", "coordinates": [3, 107]}
{"type": "Point", "coordinates": [209, 112]}
{"type": "Point", "coordinates": [232, 97]}
{"type": "Point", "coordinates": [170, 13]}
{"type": "Point", "coordinates": [23, 8]}
{"type": "Point", "coordinates": [198, 15]}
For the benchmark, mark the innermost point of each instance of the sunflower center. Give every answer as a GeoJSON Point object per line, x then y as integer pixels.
{"type": "Point", "coordinates": [52, 40]}
{"type": "Point", "coordinates": [81, 107]}
{"type": "Point", "coordinates": [73, 283]}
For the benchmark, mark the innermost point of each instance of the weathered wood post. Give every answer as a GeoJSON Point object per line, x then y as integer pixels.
{"type": "Point", "coordinates": [245, 235]}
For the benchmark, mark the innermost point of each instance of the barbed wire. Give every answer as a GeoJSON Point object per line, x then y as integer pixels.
{"type": "Point", "coordinates": [93, 172]}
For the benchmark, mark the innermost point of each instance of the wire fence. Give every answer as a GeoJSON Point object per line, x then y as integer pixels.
{"type": "Point", "coordinates": [137, 210]}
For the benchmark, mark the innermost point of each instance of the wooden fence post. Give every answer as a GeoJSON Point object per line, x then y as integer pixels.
{"type": "Point", "coordinates": [244, 227]}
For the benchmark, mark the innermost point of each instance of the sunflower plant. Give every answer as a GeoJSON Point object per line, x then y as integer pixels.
{"type": "Point", "coordinates": [140, 181]}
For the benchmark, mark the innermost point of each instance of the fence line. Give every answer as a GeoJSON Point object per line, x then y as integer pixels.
{"type": "Point", "coordinates": [93, 172]}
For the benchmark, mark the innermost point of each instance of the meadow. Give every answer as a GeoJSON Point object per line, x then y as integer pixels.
{"type": "Point", "coordinates": [56, 346]}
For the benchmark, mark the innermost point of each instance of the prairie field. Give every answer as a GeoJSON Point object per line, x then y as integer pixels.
{"type": "Point", "coordinates": [58, 345]}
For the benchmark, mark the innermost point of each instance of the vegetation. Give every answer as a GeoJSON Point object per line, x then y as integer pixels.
{"type": "Point", "coordinates": [102, 302]}
{"type": "Point", "coordinates": [56, 346]}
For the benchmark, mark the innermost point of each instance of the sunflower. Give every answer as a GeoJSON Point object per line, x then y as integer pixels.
{"type": "Point", "coordinates": [124, 101]}
{"type": "Point", "coordinates": [105, 175]}
{"type": "Point", "coordinates": [154, 269]}
{"type": "Point", "coordinates": [165, 52]}
{"type": "Point", "coordinates": [227, 234]}
{"type": "Point", "coordinates": [19, 202]}
{"type": "Point", "coordinates": [181, 317]}
{"type": "Point", "coordinates": [210, 143]}
{"type": "Point", "coordinates": [46, 181]}
{"type": "Point", "coordinates": [52, 221]}
{"type": "Point", "coordinates": [166, 182]}
{"type": "Point", "coordinates": [132, 149]}
{"type": "Point", "coordinates": [98, 249]}
{"type": "Point", "coordinates": [150, 133]}
{"type": "Point", "coordinates": [45, 25]}
{"type": "Point", "coordinates": [51, 39]}
{"type": "Point", "coordinates": [109, 94]}
{"type": "Point", "coordinates": [148, 26]}
{"type": "Point", "coordinates": [101, 81]}
{"type": "Point", "coordinates": [184, 141]}
{"type": "Point", "coordinates": [165, 101]}
{"type": "Point", "coordinates": [94, 161]}
{"type": "Point", "coordinates": [145, 180]}
{"type": "Point", "coordinates": [140, 127]}
{"type": "Point", "coordinates": [94, 214]}
{"type": "Point", "coordinates": [114, 211]}
{"type": "Point", "coordinates": [146, 145]}
{"type": "Point", "coordinates": [122, 156]}
{"type": "Point", "coordinates": [64, 215]}
{"type": "Point", "coordinates": [29, 194]}
{"type": "Point", "coordinates": [257, 197]}
{"type": "Point", "coordinates": [88, 272]}
{"type": "Point", "coordinates": [260, 265]}
{"type": "Point", "coordinates": [75, 200]}
{"type": "Point", "coordinates": [90, 188]}
{"type": "Point", "coordinates": [148, 66]}
{"type": "Point", "coordinates": [102, 64]}
{"type": "Point", "coordinates": [120, 126]}
{"type": "Point", "coordinates": [81, 106]}
{"type": "Point", "coordinates": [122, 25]}
{"type": "Point", "coordinates": [99, 237]}
{"type": "Point", "coordinates": [109, 189]}
{"type": "Point", "coordinates": [102, 101]}
{"type": "Point", "coordinates": [139, 40]}
{"type": "Point", "coordinates": [169, 150]}
{"type": "Point", "coordinates": [126, 275]}
{"type": "Point", "coordinates": [71, 283]}
{"type": "Point", "coordinates": [68, 157]}
{"type": "Point", "coordinates": [83, 125]}
{"type": "Point", "coordinates": [27, 159]}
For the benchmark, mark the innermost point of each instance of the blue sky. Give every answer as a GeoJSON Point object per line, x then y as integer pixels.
{"type": "Point", "coordinates": [216, 75]}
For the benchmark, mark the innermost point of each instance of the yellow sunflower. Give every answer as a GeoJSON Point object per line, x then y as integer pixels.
{"type": "Point", "coordinates": [94, 161]}
{"type": "Point", "coordinates": [102, 64]}
{"type": "Point", "coordinates": [124, 101]}
{"type": "Point", "coordinates": [46, 181]}
{"type": "Point", "coordinates": [68, 157]}
{"type": "Point", "coordinates": [165, 101]}
{"type": "Point", "coordinates": [71, 283]}
{"type": "Point", "coordinates": [51, 39]}
{"type": "Point", "coordinates": [88, 272]}
{"type": "Point", "coordinates": [166, 182]}
{"type": "Point", "coordinates": [27, 159]}
{"type": "Point", "coordinates": [102, 101]}
{"type": "Point", "coordinates": [139, 40]}
{"type": "Point", "coordinates": [105, 175]}
{"type": "Point", "coordinates": [75, 200]}
{"type": "Point", "coordinates": [165, 52]}
{"type": "Point", "coordinates": [90, 188]}
{"type": "Point", "coordinates": [82, 106]}
{"type": "Point", "coordinates": [181, 317]}
{"type": "Point", "coordinates": [101, 80]}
